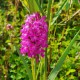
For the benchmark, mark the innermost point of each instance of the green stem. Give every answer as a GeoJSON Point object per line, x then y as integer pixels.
{"type": "Point", "coordinates": [33, 68]}
{"type": "Point", "coordinates": [40, 70]}
{"type": "Point", "coordinates": [45, 65]}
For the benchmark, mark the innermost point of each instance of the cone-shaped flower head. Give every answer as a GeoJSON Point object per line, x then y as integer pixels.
{"type": "Point", "coordinates": [34, 36]}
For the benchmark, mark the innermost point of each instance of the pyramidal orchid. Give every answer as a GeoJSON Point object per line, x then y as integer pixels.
{"type": "Point", "coordinates": [34, 36]}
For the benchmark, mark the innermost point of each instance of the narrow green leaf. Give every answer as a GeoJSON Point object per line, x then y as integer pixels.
{"type": "Point", "coordinates": [39, 6]}
{"type": "Point", "coordinates": [25, 4]}
{"type": "Point", "coordinates": [55, 71]}
{"type": "Point", "coordinates": [49, 8]}
{"type": "Point", "coordinates": [58, 12]}
{"type": "Point", "coordinates": [45, 65]}
{"type": "Point", "coordinates": [67, 6]}
{"type": "Point", "coordinates": [25, 64]}
{"type": "Point", "coordinates": [42, 3]}
{"type": "Point", "coordinates": [36, 6]}
{"type": "Point", "coordinates": [33, 7]}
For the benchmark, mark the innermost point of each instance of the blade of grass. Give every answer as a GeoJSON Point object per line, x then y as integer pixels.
{"type": "Point", "coordinates": [39, 6]}
{"type": "Point", "coordinates": [41, 3]}
{"type": "Point", "coordinates": [33, 7]}
{"type": "Point", "coordinates": [39, 68]}
{"type": "Point", "coordinates": [25, 64]}
{"type": "Point", "coordinates": [58, 12]}
{"type": "Point", "coordinates": [48, 18]}
{"type": "Point", "coordinates": [45, 65]}
{"type": "Point", "coordinates": [64, 22]}
{"type": "Point", "coordinates": [55, 71]}
{"type": "Point", "coordinates": [48, 9]}
{"type": "Point", "coordinates": [33, 68]}
{"type": "Point", "coordinates": [25, 4]}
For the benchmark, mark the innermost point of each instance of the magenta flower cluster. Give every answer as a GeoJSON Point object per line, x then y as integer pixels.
{"type": "Point", "coordinates": [34, 36]}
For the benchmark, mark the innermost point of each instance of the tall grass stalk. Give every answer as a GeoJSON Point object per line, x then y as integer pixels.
{"type": "Point", "coordinates": [33, 68]}
{"type": "Point", "coordinates": [45, 66]}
